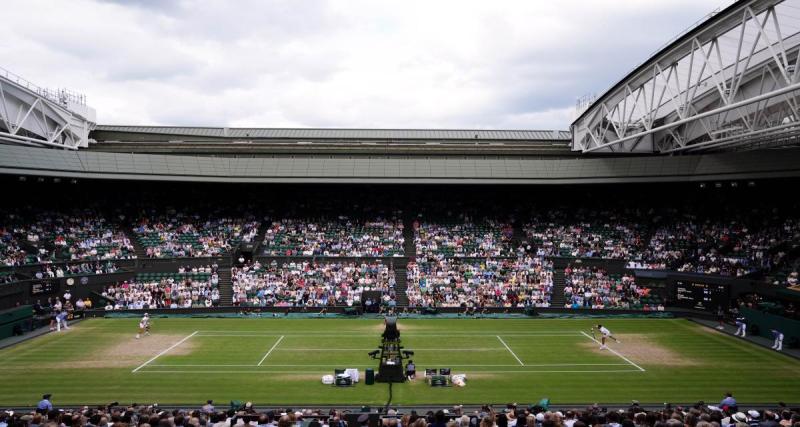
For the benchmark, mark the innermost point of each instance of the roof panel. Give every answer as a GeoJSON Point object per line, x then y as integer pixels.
{"type": "Point", "coordinates": [315, 133]}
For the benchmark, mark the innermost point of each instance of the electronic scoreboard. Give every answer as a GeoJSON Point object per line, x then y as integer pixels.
{"type": "Point", "coordinates": [701, 296]}
{"type": "Point", "coordinates": [44, 287]}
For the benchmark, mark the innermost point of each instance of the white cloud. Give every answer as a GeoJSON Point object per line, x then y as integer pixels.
{"type": "Point", "coordinates": [331, 63]}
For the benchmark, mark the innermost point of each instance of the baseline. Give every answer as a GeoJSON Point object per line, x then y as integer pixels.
{"type": "Point", "coordinates": [510, 351]}
{"type": "Point", "coordinates": [270, 350]}
{"type": "Point", "coordinates": [614, 351]}
{"type": "Point", "coordinates": [538, 371]}
{"type": "Point", "coordinates": [164, 352]}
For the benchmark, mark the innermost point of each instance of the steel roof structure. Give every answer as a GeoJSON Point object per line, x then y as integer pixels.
{"type": "Point", "coordinates": [40, 117]}
{"type": "Point", "coordinates": [731, 83]}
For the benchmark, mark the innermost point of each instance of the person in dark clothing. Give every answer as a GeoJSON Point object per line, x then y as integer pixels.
{"type": "Point", "coordinates": [411, 370]}
{"type": "Point", "coordinates": [769, 420]}
{"type": "Point", "coordinates": [439, 419]}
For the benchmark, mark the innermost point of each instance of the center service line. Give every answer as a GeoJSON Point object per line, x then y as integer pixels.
{"type": "Point", "coordinates": [270, 350]}
{"type": "Point", "coordinates": [509, 350]}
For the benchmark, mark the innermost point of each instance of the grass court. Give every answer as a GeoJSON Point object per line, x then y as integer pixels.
{"type": "Point", "coordinates": [279, 361]}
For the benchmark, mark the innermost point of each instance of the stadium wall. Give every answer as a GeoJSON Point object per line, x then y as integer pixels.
{"type": "Point", "coordinates": [761, 323]}
{"type": "Point", "coordinates": [19, 160]}
{"type": "Point", "coordinates": [28, 291]}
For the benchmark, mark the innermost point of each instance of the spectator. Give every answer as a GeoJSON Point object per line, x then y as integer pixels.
{"type": "Point", "coordinates": [44, 406]}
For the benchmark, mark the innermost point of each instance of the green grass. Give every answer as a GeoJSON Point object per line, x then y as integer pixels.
{"type": "Point", "coordinates": [682, 362]}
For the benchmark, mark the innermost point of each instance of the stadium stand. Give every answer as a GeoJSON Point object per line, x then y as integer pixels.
{"type": "Point", "coordinates": [446, 282]}
{"type": "Point", "coordinates": [310, 284]}
{"type": "Point", "coordinates": [464, 238]}
{"type": "Point", "coordinates": [75, 269]}
{"type": "Point", "coordinates": [725, 414]}
{"type": "Point", "coordinates": [586, 233]}
{"type": "Point", "coordinates": [173, 233]}
{"type": "Point", "coordinates": [495, 254]}
{"type": "Point", "coordinates": [186, 288]}
{"type": "Point", "coordinates": [593, 287]}
{"type": "Point", "coordinates": [69, 235]}
{"type": "Point", "coordinates": [8, 277]}
{"type": "Point", "coordinates": [10, 250]}
{"type": "Point", "coordinates": [750, 241]}
{"type": "Point", "coordinates": [343, 236]}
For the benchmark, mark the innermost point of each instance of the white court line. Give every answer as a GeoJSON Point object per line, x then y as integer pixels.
{"type": "Point", "coordinates": [152, 371]}
{"type": "Point", "coordinates": [231, 372]}
{"type": "Point", "coordinates": [509, 350]}
{"type": "Point", "coordinates": [165, 351]}
{"type": "Point", "coordinates": [407, 335]}
{"type": "Point", "coordinates": [373, 348]}
{"type": "Point", "coordinates": [191, 365]}
{"type": "Point", "coordinates": [334, 365]}
{"type": "Point", "coordinates": [614, 351]}
{"type": "Point", "coordinates": [326, 365]}
{"type": "Point", "coordinates": [552, 371]}
{"type": "Point", "coordinates": [550, 364]}
{"type": "Point", "coordinates": [270, 350]}
{"type": "Point", "coordinates": [468, 333]}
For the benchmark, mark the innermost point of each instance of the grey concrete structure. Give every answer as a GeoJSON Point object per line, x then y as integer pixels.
{"type": "Point", "coordinates": [23, 160]}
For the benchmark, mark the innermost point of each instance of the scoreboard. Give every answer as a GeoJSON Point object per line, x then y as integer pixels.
{"type": "Point", "coordinates": [44, 287]}
{"type": "Point", "coordinates": [700, 296]}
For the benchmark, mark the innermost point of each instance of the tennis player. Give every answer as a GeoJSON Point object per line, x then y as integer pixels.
{"type": "Point", "coordinates": [605, 333]}
{"type": "Point", "coordinates": [144, 326]}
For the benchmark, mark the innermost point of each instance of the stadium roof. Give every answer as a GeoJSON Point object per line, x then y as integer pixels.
{"type": "Point", "coordinates": [316, 133]}
{"type": "Point", "coordinates": [731, 82]}
{"type": "Point", "coordinates": [397, 169]}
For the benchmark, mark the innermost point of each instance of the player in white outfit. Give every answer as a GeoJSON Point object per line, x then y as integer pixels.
{"type": "Point", "coordinates": [741, 327]}
{"type": "Point", "coordinates": [778, 340]}
{"type": "Point", "coordinates": [144, 326]}
{"type": "Point", "coordinates": [605, 333]}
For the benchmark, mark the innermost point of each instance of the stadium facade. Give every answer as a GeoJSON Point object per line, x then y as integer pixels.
{"type": "Point", "coordinates": [718, 102]}
{"type": "Point", "coordinates": [693, 159]}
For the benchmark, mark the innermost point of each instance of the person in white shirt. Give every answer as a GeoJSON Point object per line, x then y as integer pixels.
{"type": "Point", "coordinates": [144, 326]}
{"type": "Point", "coordinates": [741, 326]}
{"type": "Point", "coordinates": [605, 333]}
{"type": "Point", "coordinates": [569, 420]}
{"type": "Point", "coordinates": [778, 345]}
{"type": "Point", "coordinates": [61, 320]}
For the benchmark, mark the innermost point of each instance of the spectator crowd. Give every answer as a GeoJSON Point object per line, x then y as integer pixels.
{"type": "Point", "coordinates": [463, 238]}
{"type": "Point", "coordinates": [586, 233]}
{"type": "Point", "coordinates": [36, 236]}
{"type": "Point", "coordinates": [189, 287]}
{"type": "Point", "coordinates": [342, 236]}
{"type": "Point", "coordinates": [735, 248]}
{"type": "Point", "coordinates": [310, 284]}
{"type": "Point", "coordinates": [594, 287]}
{"type": "Point", "coordinates": [700, 414]}
{"type": "Point", "coordinates": [175, 234]}
{"type": "Point", "coordinates": [51, 271]}
{"type": "Point", "coordinates": [690, 239]}
{"type": "Point", "coordinates": [447, 282]}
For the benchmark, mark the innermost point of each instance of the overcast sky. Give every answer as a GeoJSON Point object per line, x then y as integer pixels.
{"type": "Point", "coordinates": [349, 63]}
